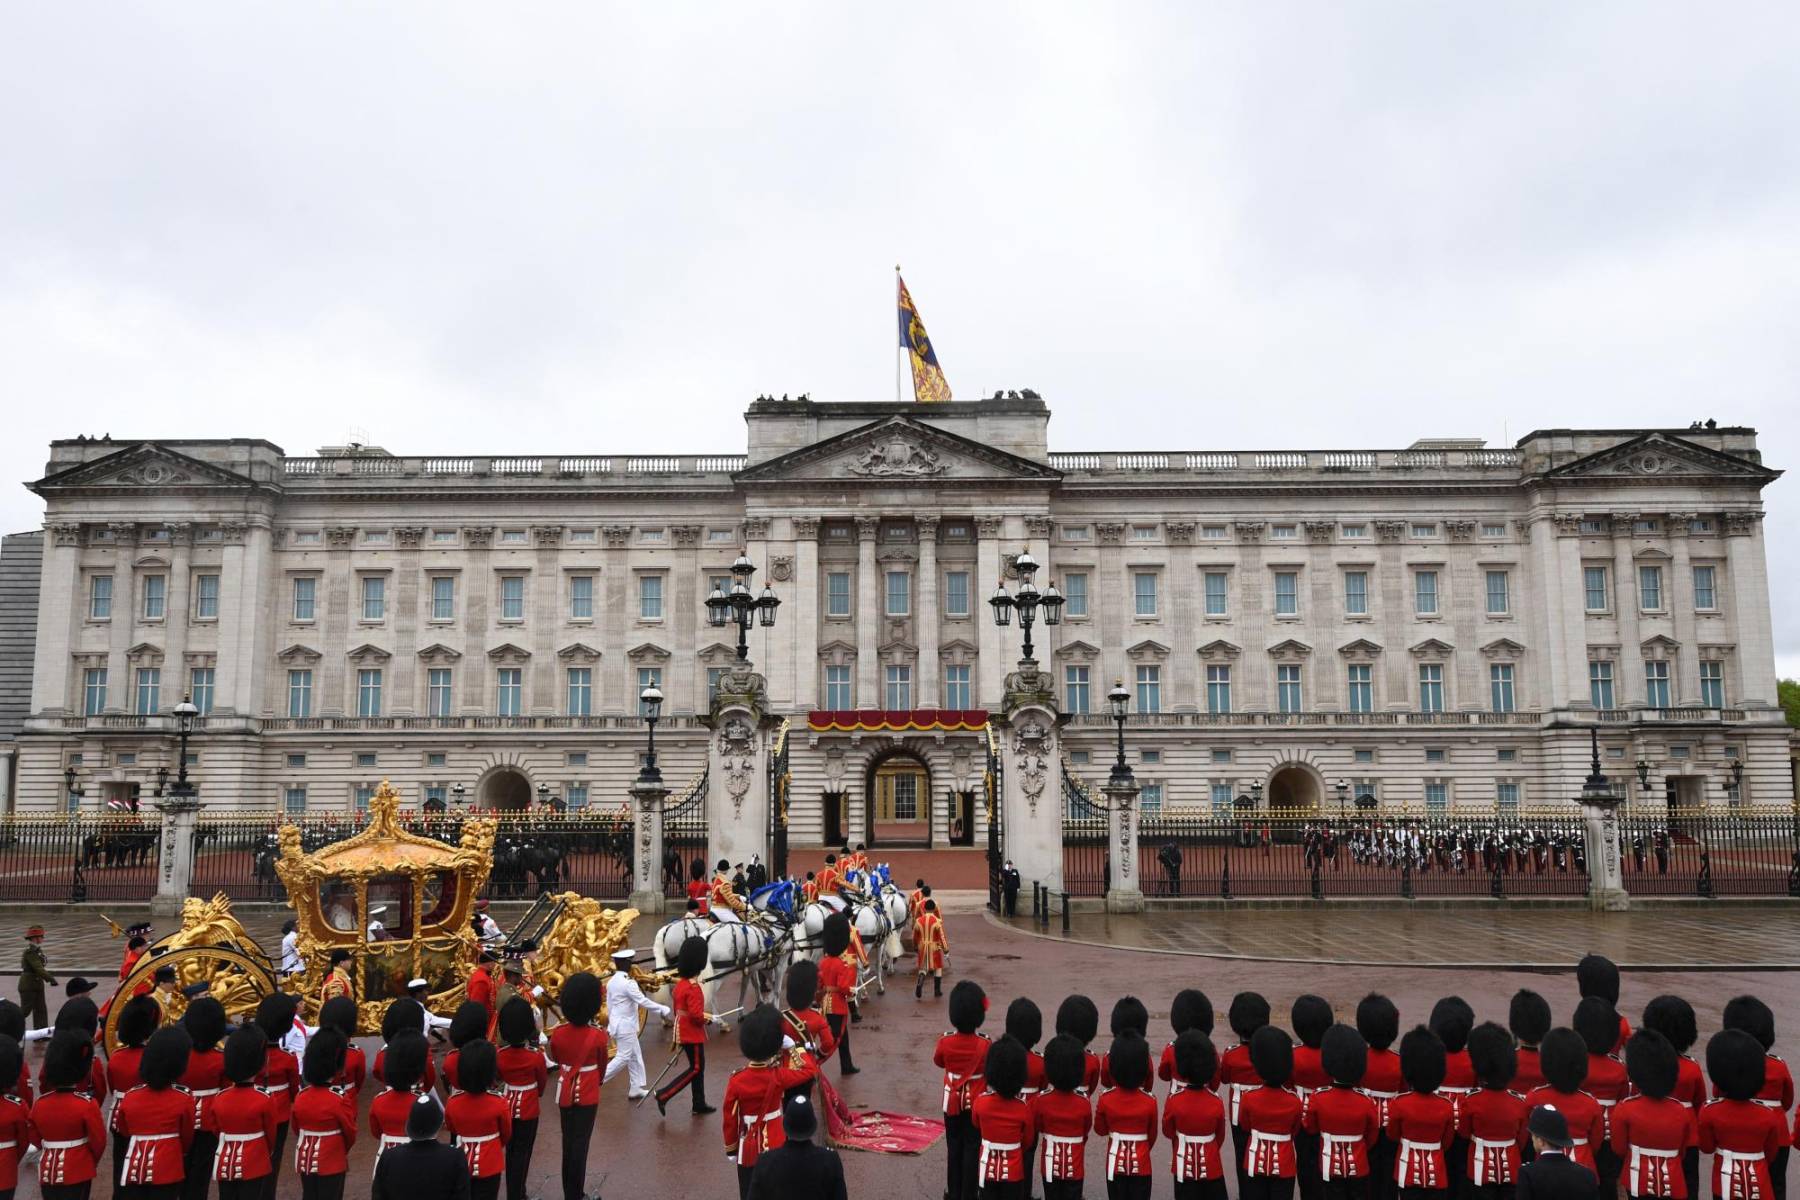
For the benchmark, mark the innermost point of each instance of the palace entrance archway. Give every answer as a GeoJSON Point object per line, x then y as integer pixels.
{"type": "Point", "coordinates": [506, 790]}
{"type": "Point", "coordinates": [898, 802]}
{"type": "Point", "coordinates": [1294, 789]}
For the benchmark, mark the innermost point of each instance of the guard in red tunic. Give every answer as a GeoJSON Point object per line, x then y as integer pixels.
{"type": "Point", "coordinates": [1452, 1020]}
{"type": "Point", "coordinates": [340, 1015]}
{"type": "Point", "coordinates": [1597, 975]}
{"type": "Point", "coordinates": [1754, 1018]}
{"type": "Point", "coordinates": [1063, 1116]}
{"type": "Point", "coordinates": [962, 1056]}
{"type": "Point", "coordinates": [1598, 1024]}
{"type": "Point", "coordinates": [691, 1020]}
{"type": "Point", "coordinates": [1492, 1119]}
{"type": "Point", "coordinates": [1126, 1117]}
{"type": "Point", "coordinates": [1248, 1013]}
{"type": "Point", "coordinates": [698, 889]}
{"type": "Point", "coordinates": [15, 1118]}
{"type": "Point", "coordinates": [1271, 1117]}
{"type": "Point", "coordinates": [1564, 1059]}
{"type": "Point", "coordinates": [324, 1120]}
{"type": "Point", "coordinates": [1189, 1010]}
{"type": "Point", "coordinates": [470, 1021]}
{"type": "Point", "coordinates": [65, 1124]}
{"type": "Point", "coordinates": [401, 1016]}
{"type": "Point", "coordinates": [137, 1021]}
{"type": "Point", "coordinates": [483, 986]}
{"type": "Point", "coordinates": [1742, 1136]}
{"type": "Point", "coordinates": [1310, 1017]}
{"type": "Point", "coordinates": [1004, 1124]}
{"type": "Point", "coordinates": [204, 1078]}
{"type": "Point", "coordinates": [578, 1052]}
{"type": "Point", "coordinates": [754, 1095]}
{"type": "Point", "coordinates": [837, 987]}
{"type": "Point", "coordinates": [1651, 1131]}
{"type": "Point", "coordinates": [802, 1022]}
{"type": "Point", "coordinates": [1129, 1016]}
{"type": "Point", "coordinates": [157, 1117]}
{"type": "Point", "coordinates": [1079, 1018]}
{"type": "Point", "coordinates": [1378, 1020]}
{"type": "Point", "coordinates": [1528, 1018]}
{"type": "Point", "coordinates": [1025, 1025]}
{"type": "Point", "coordinates": [1673, 1017]}
{"type": "Point", "coordinates": [79, 1015]}
{"type": "Point", "coordinates": [241, 1119]}
{"type": "Point", "coordinates": [401, 1066]}
{"type": "Point", "coordinates": [480, 1121]}
{"type": "Point", "coordinates": [523, 1078]}
{"type": "Point", "coordinates": [1343, 1122]}
{"type": "Point", "coordinates": [279, 1078]}
{"type": "Point", "coordinates": [931, 949]}
{"type": "Point", "coordinates": [1194, 1122]}
{"type": "Point", "coordinates": [1421, 1123]}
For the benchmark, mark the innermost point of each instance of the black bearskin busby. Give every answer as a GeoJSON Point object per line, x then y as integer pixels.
{"type": "Point", "coordinates": [245, 1051]}
{"type": "Point", "coordinates": [1248, 1013]}
{"type": "Point", "coordinates": [324, 1057]}
{"type": "Point", "coordinates": [1563, 1058]}
{"type": "Point", "coordinates": [1078, 1017]}
{"type": "Point", "coordinates": [165, 1056]}
{"type": "Point", "coordinates": [1272, 1054]}
{"type": "Point", "coordinates": [1422, 1057]}
{"type": "Point", "coordinates": [968, 1006]}
{"type": "Point", "coordinates": [518, 1024]}
{"type": "Point", "coordinates": [80, 1014]}
{"type": "Point", "coordinates": [1753, 1017]}
{"type": "Point", "coordinates": [468, 1022]}
{"type": "Point", "coordinates": [1673, 1017]}
{"type": "Point", "coordinates": [1024, 1023]}
{"type": "Point", "coordinates": [1597, 1021]}
{"type": "Point", "coordinates": [1191, 1010]}
{"type": "Point", "coordinates": [275, 1015]}
{"type": "Point", "coordinates": [1006, 1067]}
{"type": "Point", "coordinates": [1129, 1016]}
{"type": "Point", "coordinates": [802, 984]}
{"type": "Point", "coordinates": [1378, 1020]}
{"type": "Point", "coordinates": [1129, 1061]}
{"type": "Point", "coordinates": [12, 1058]}
{"type": "Point", "coordinates": [404, 1013]}
{"type": "Point", "coordinates": [1195, 1058]}
{"type": "Point", "coordinates": [580, 998]}
{"type": "Point", "coordinates": [759, 1034]}
{"type": "Point", "coordinates": [1311, 1018]}
{"type": "Point", "coordinates": [12, 1021]}
{"type": "Point", "coordinates": [1598, 975]}
{"type": "Point", "coordinates": [1736, 1064]}
{"type": "Point", "coordinates": [403, 1062]}
{"type": "Point", "coordinates": [1065, 1062]}
{"type": "Point", "coordinates": [69, 1060]}
{"type": "Point", "coordinates": [339, 1013]}
{"type": "Point", "coordinates": [835, 935]}
{"type": "Point", "coordinates": [690, 960]}
{"type": "Point", "coordinates": [1528, 1017]}
{"type": "Point", "coordinates": [1344, 1055]}
{"type": "Point", "coordinates": [476, 1065]}
{"type": "Point", "coordinates": [1492, 1055]}
{"type": "Point", "coordinates": [1652, 1063]}
{"type": "Point", "coordinates": [138, 1020]}
{"type": "Point", "coordinates": [697, 870]}
{"type": "Point", "coordinates": [1452, 1019]}
{"type": "Point", "coordinates": [205, 1022]}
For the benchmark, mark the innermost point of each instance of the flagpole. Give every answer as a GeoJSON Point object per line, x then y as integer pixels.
{"type": "Point", "coordinates": [899, 350]}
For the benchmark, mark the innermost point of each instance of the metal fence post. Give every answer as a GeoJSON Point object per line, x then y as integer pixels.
{"type": "Point", "coordinates": [1225, 875]}
{"type": "Point", "coordinates": [1065, 913]}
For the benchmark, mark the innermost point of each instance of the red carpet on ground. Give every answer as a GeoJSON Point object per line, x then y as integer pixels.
{"type": "Point", "coordinates": [873, 1130]}
{"type": "Point", "coordinates": [961, 869]}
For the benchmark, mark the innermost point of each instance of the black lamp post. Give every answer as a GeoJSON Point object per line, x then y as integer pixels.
{"type": "Point", "coordinates": [1343, 792]}
{"type": "Point", "coordinates": [1737, 778]}
{"type": "Point", "coordinates": [1118, 702]}
{"type": "Point", "coordinates": [459, 793]}
{"type": "Point", "coordinates": [543, 794]}
{"type": "Point", "coordinates": [740, 606]}
{"type": "Point", "coordinates": [184, 714]}
{"type": "Point", "coordinates": [651, 700]}
{"type": "Point", "coordinates": [1026, 600]}
{"type": "Point", "coordinates": [72, 777]}
{"type": "Point", "coordinates": [1598, 787]}
{"type": "Point", "coordinates": [1643, 766]}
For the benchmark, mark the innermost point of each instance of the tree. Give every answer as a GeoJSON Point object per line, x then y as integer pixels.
{"type": "Point", "coordinates": [1789, 691]}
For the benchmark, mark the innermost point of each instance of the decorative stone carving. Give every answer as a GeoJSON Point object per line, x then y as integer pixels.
{"type": "Point", "coordinates": [781, 568]}
{"type": "Point", "coordinates": [181, 533]}
{"type": "Point", "coordinates": [1741, 524]}
{"type": "Point", "coordinates": [1109, 532]}
{"type": "Point", "coordinates": [1360, 650]}
{"type": "Point", "coordinates": [1037, 526]}
{"type": "Point", "coordinates": [1179, 533]}
{"type": "Point", "coordinates": [1031, 758]}
{"type": "Point", "coordinates": [756, 529]}
{"type": "Point", "coordinates": [231, 533]}
{"type": "Point", "coordinates": [545, 537]}
{"type": "Point", "coordinates": [1320, 533]}
{"type": "Point", "coordinates": [478, 537]}
{"type": "Point", "coordinates": [153, 474]}
{"type": "Point", "coordinates": [340, 537]}
{"type": "Point", "coordinates": [987, 527]}
{"type": "Point", "coordinates": [66, 533]}
{"type": "Point", "coordinates": [806, 529]}
{"type": "Point", "coordinates": [617, 536]}
{"type": "Point", "coordinates": [1390, 531]}
{"type": "Point", "coordinates": [867, 528]}
{"type": "Point", "coordinates": [1567, 524]}
{"type": "Point", "coordinates": [123, 531]}
{"type": "Point", "coordinates": [1248, 532]}
{"type": "Point", "coordinates": [737, 761]}
{"type": "Point", "coordinates": [927, 528]}
{"type": "Point", "coordinates": [1460, 531]}
{"type": "Point", "coordinates": [408, 537]}
{"type": "Point", "coordinates": [1680, 524]}
{"type": "Point", "coordinates": [1622, 523]}
{"type": "Point", "coordinates": [1522, 527]}
{"type": "Point", "coordinates": [896, 456]}
{"type": "Point", "coordinates": [689, 535]}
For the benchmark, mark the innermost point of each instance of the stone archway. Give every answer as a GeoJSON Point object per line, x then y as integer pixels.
{"type": "Point", "coordinates": [1294, 788]}
{"type": "Point", "coordinates": [505, 790]}
{"type": "Point", "coordinates": [897, 800]}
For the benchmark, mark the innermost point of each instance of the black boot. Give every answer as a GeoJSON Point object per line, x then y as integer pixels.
{"type": "Point", "coordinates": [937, 987]}
{"type": "Point", "coordinates": [919, 990]}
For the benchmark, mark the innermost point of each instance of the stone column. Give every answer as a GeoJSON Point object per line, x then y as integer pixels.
{"type": "Point", "coordinates": [474, 682]}
{"type": "Point", "coordinates": [406, 687]}
{"type": "Point", "coordinates": [737, 763]}
{"type": "Point", "coordinates": [180, 816]}
{"type": "Point", "coordinates": [1630, 675]}
{"type": "Point", "coordinates": [804, 618]}
{"type": "Point", "coordinates": [1395, 692]}
{"type": "Point", "coordinates": [1599, 802]}
{"type": "Point", "coordinates": [1566, 596]}
{"type": "Point", "coordinates": [868, 615]}
{"type": "Point", "coordinates": [546, 614]}
{"type": "Point", "coordinates": [1126, 895]}
{"type": "Point", "coordinates": [337, 627]}
{"type": "Point", "coordinates": [1680, 600]}
{"type": "Point", "coordinates": [1747, 572]}
{"type": "Point", "coordinates": [990, 667]}
{"type": "Point", "coordinates": [180, 611]}
{"type": "Point", "coordinates": [127, 607]}
{"type": "Point", "coordinates": [1028, 731]}
{"type": "Point", "coordinates": [647, 796]}
{"type": "Point", "coordinates": [931, 671]}
{"type": "Point", "coordinates": [62, 607]}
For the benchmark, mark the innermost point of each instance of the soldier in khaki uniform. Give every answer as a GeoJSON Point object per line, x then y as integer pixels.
{"type": "Point", "coordinates": [34, 976]}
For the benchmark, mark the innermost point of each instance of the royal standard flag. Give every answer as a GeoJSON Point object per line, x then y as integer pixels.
{"type": "Point", "coordinates": [929, 384]}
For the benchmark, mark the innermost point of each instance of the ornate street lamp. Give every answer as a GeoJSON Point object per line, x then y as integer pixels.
{"type": "Point", "coordinates": [1118, 701]}
{"type": "Point", "coordinates": [650, 700]}
{"type": "Point", "coordinates": [1737, 778]}
{"type": "Point", "coordinates": [72, 777]}
{"type": "Point", "coordinates": [460, 794]}
{"type": "Point", "coordinates": [740, 606]}
{"type": "Point", "coordinates": [1343, 792]}
{"type": "Point", "coordinates": [1643, 771]}
{"type": "Point", "coordinates": [1598, 788]}
{"type": "Point", "coordinates": [1026, 600]}
{"type": "Point", "coordinates": [184, 714]}
{"type": "Point", "coordinates": [543, 794]}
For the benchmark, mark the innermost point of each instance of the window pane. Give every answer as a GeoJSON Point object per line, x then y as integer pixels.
{"type": "Point", "coordinates": [374, 597]}
{"type": "Point", "coordinates": [581, 597]}
{"type": "Point", "coordinates": [200, 688]}
{"type": "Point", "coordinates": [149, 689]}
{"type": "Point", "coordinates": [650, 598]}
{"type": "Point", "coordinates": [1431, 687]}
{"type": "Point", "coordinates": [837, 689]}
{"type": "Point", "coordinates": [1356, 593]}
{"type": "Point", "coordinates": [206, 597]}
{"type": "Point", "coordinates": [443, 598]}
{"type": "Point", "coordinates": [438, 692]}
{"type": "Point", "coordinates": [956, 594]}
{"type": "Point", "coordinates": [1075, 689]}
{"type": "Point", "coordinates": [368, 693]}
{"type": "Point", "coordinates": [1075, 594]}
{"type": "Point", "coordinates": [512, 598]}
{"type": "Point", "coordinates": [1425, 595]}
{"type": "Point", "coordinates": [100, 598]}
{"type": "Point", "coordinates": [304, 591]}
{"type": "Point", "coordinates": [1144, 593]}
{"type": "Point", "coordinates": [1705, 595]}
{"type": "Point", "coordinates": [899, 593]}
{"type": "Point", "coordinates": [1656, 683]}
{"type": "Point", "coordinates": [1712, 684]}
{"type": "Point", "coordinates": [1500, 687]}
{"type": "Point", "coordinates": [647, 677]}
{"type": "Point", "coordinates": [837, 594]}
{"type": "Point", "coordinates": [93, 683]}
{"type": "Point", "coordinates": [1600, 684]}
{"type": "Point", "coordinates": [899, 688]}
{"type": "Point", "coordinates": [1217, 593]}
{"type": "Point", "coordinates": [1362, 688]}
{"type": "Point", "coordinates": [1287, 593]}
{"type": "Point", "coordinates": [299, 693]}
{"type": "Point", "coordinates": [154, 591]}
{"type": "Point", "coordinates": [1149, 689]}
{"type": "Point", "coordinates": [1498, 598]}
{"type": "Point", "coordinates": [1218, 689]}
{"type": "Point", "coordinates": [1650, 588]}
{"type": "Point", "coordinates": [956, 687]}
{"type": "Point", "coordinates": [510, 699]}
{"type": "Point", "coordinates": [1594, 583]}
{"type": "Point", "coordinates": [1287, 687]}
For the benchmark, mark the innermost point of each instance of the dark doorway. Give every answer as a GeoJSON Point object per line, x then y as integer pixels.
{"type": "Point", "coordinates": [506, 790]}
{"type": "Point", "coordinates": [834, 818]}
{"type": "Point", "coordinates": [962, 818]}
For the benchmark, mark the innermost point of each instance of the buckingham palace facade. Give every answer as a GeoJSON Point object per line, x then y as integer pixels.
{"type": "Point", "coordinates": [1437, 627]}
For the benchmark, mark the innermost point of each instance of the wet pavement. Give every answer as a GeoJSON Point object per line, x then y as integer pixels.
{"type": "Point", "coordinates": [636, 1152]}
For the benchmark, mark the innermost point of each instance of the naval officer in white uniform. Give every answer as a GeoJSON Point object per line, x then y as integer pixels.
{"type": "Point", "coordinates": [623, 1000]}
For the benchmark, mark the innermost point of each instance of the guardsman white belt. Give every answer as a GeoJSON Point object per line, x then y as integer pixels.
{"type": "Point", "coordinates": [1190, 1155]}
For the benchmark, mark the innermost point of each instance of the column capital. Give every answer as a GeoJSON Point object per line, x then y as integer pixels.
{"type": "Point", "coordinates": [806, 529]}
{"type": "Point", "coordinates": [1741, 524]}
{"type": "Point", "coordinates": [987, 527]}
{"type": "Point", "coordinates": [927, 528]}
{"type": "Point", "coordinates": [867, 528]}
{"type": "Point", "coordinates": [756, 529]}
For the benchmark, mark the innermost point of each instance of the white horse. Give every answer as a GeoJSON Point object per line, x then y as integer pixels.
{"type": "Point", "coordinates": [754, 952]}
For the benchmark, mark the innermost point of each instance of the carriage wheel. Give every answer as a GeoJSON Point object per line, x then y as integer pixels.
{"type": "Point", "coordinates": [237, 980]}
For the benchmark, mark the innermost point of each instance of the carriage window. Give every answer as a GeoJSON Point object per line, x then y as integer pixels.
{"type": "Point", "coordinates": [338, 902]}
{"type": "Point", "coordinates": [439, 898]}
{"type": "Point", "coordinates": [393, 895]}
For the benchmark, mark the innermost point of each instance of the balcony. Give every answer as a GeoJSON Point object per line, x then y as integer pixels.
{"type": "Point", "coordinates": [1267, 720]}
{"type": "Point", "coordinates": [599, 468]}
{"type": "Point", "coordinates": [1271, 465]}
{"type": "Point", "coordinates": [128, 724]}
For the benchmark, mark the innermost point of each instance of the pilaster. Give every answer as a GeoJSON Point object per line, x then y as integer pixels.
{"type": "Point", "coordinates": [1028, 732]}
{"type": "Point", "coordinates": [737, 761]}
{"type": "Point", "coordinates": [868, 614]}
{"type": "Point", "coordinates": [647, 797]}
{"type": "Point", "coordinates": [930, 670]}
{"type": "Point", "coordinates": [1680, 589]}
{"type": "Point", "coordinates": [1630, 675]}
{"type": "Point", "coordinates": [1748, 571]}
{"type": "Point", "coordinates": [1126, 895]}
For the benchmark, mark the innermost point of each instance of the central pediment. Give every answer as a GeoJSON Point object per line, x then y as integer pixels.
{"type": "Point", "coordinates": [897, 449]}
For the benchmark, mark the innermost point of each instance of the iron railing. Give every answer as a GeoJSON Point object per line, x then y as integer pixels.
{"type": "Point", "coordinates": [1710, 852]}
{"type": "Point", "coordinates": [780, 780]}
{"type": "Point", "coordinates": [994, 796]}
{"type": "Point", "coordinates": [684, 836]}
{"type": "Point", "coordinates": [79, 856]}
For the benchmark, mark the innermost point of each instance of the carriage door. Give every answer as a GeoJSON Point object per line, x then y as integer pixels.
{"type": "Point", "coordinates": [901, 804]}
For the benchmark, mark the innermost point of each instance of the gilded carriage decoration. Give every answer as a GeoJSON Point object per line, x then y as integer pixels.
{"type": "Point", "coordinates": [212, 948]}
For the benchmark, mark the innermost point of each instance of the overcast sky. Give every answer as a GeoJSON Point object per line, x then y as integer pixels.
{"type": "Point", "coordinates": [465, 228]}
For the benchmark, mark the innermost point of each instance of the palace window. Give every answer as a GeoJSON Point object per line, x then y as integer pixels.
{"type": "Point", "coordinates": [897, 692]}
{"type": "Point", "coordinates": [837, 594]}
{"type": "Point", "coordinates": [1143, 586]}
{"type": "Point", "coordinates": [1362, 688]}
{"type": "Point", "coordinates": [93, 691]}
{"type": "Point", "coordinates": [1712, 684]}
{"type": "Point", "coordinates": [1656, 683]}
{"type": "Point", "coordinates": [510, 687]}
{"type": "Point", "coordinates": [155, 592]}
{"type": "Point", "coordinates": [206, 597]}
{"type": "Point", "coordinates": [1600, 684]}
{"type": "Point", "coordinates": [300, 686]}
{"type": "Point", "coordinates": [956, 687]}
{"type": "Point", "coordinates": [374, 597]}
{"type": "Point", "coordinates": [899, 593]}
{"type": "Point", "coordinates": [1287, 687]}
{"type": "Point", "coordinates": [1706, 593]}
{"type": "Point", "coordinates": [1287, 593]}
{"type": "Point", "coordinates": [1437, 798]}
{"type": "Point", "coordinates": [1218, 595]}
{"type": "Point", "coordinates": [1075, 594]}
{"type": "Point", "coordinates": [438, 692]}
{"type": "Point", "coordinates": [1356, 593]}
{"type": "Point", "coordinates": [100, 598]}
{"type": "Point", "coordinates": [650, 598]}
{"type": "Point", "coordinates": [1499, 593]}
{"type": "Point", "coordinates": [1500, 687]}
{"type": "Point", "coordinates": [1075, 690]}
{"type": "Point", "coordinates": [200, 689]}
{"type": "Point", "coordinates": [1149, 689]}
{"type": "Point", "coordinates": [149, 691]}
{"type": "Point", "coordinates": [1425, 593]}
{"type": "Point", "coordinates": [443, 598]}
{"type": "Point", "coordinates": [1650, 589]}
{"type": "Point", "coordinates": [1431, 687]}
{"type": "Point", "coordinates": [1218, 689]}
{"type": "Point", "coordinates": [1593, 580]}
{"type": "Point", "coordinates": [837, 689]}
{"type": "Point", "coordinates": [512, 597]}
{"type": "Point", "coordinates": [647, 677]}
{"type": "Point", "coordinates": [956, 594]}
{"type": "Point", "coordinates": [368, 692]}
{"type": "Point", "coordinates": [1353, 532]}
{"type": "Point", "coordinates": [306, 590]}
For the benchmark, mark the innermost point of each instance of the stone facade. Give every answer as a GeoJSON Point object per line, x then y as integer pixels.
{"type": "Point", "coordinates": [1439, 624]}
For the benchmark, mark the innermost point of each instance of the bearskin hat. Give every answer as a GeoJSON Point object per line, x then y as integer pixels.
{"type": "Point", "coordinates": [138, 1020]}
{"type": "Point", "coordinates": [759, 1033]}
{"type": "Point", "coordinates": [404, 1013]}
{"type": "Point", "coordinates": [1006, 1067]}
{"type": "Point", "coordinates": [1753, 1017]}
{"type": "Point", "coordinates": [1597, 1021]}
{"type": "Point", "coordinates": [803, 984]}
{"type": "Point", "coordinates": [1344, 1055]}
{"type": "Point", "coordinates": [339, 1013]}
{"type": "Point", "coordinates": [518, 1024]}
{"type": "Point", "coordinates": [12, 1058]}
{"type": "Point", "coordinates": [1311, 1016]}
{"type": "Point", "coordinates": [1191, 1010]}
{"type": "Point", "coordinates": [275, 1015]}
{"type": "Point", "coordinates": [968, 1006]}
{"type": "Point", "coordinates": [690, 960]}
{"type": "Point", "coordinates": [324, 1056]}
{"type": "Point", "coordinates": [403, 1062]}
{"type": "Point", "coordinates": [1652, 1063]}
{"type": "Point", "coordinates": [1195, 1058]}
{"type": "Point", "coordinates": [12, 1020]}
{"type": "Point", "coordinates": [1378, 1020]}
{"type": "Point", "coordinates": [1563, 1058]}
{"type": "Point", "coordinates": [1024, 1022]}
{"type": "Point", "coordinates": [1065, 1062]}
{"type": "Point", "coordinates": [836, 934]}
{"type": "Point", "coordinates": [1528, 1017]}
{"type": "Point", "coordinates": [69, 1060]}
{"type": "Point", "coordinates": [1422, 1058]}
{"type": "Point", "coordinates": [166, 1056]}
{"type": "Point", "coordinates": [1129, 1060]}
{"type": "Point", "coordinates": [1492, 1054]}
{"type": "Point", "coordinates": [1272, 1054]}
{"type": "Point", "coordinates": [1078, 1017]}
{"type": "Point", "coordinates": [476, 1065]}
{"type": "Point", "coordinates": [205, 1022]}
{"type": "Point", "coordinates": [1249, 1012]}
{"type": "Point", "coordinates": [1673, 1017]}
{"type": "Point", "coordinates": [1129, 1016]}
{"type": "Point", "coordinates": [697, 870]}
{"type": "Point", "coordinates": [1598, 975]}
{"type": "Point", "coordinates": [80, 1014]}
{"type": "Point", "coordinates": [468, 1022]}
{"type": "Point", "coordinates": [1736, 1064]}
{"type": "Point", "coordinates": [1451, 1020]}
{"type": "Point", "coordinates": [245, 1051]}
{"type": "Point", "coordinates": [580, 998]}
